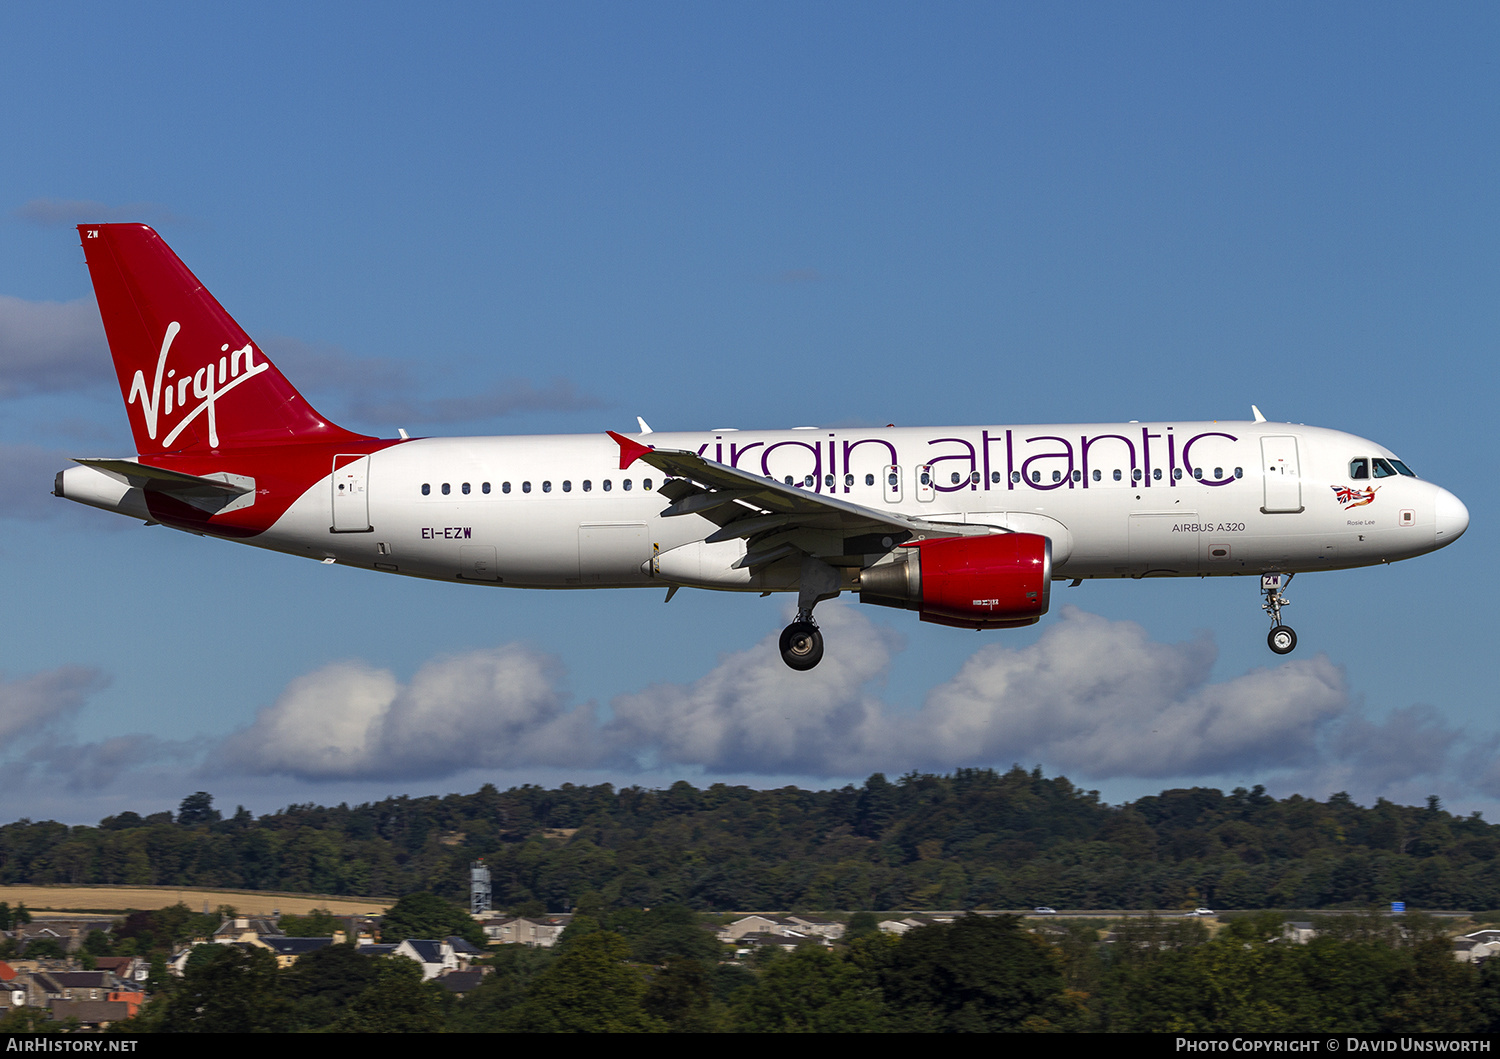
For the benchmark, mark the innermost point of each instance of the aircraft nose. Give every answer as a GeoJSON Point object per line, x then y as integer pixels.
{"type": "Point", "coordinates": [1452, 518]}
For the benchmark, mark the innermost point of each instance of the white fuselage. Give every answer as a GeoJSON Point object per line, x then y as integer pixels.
{"type": "Point", "coordinates": [1117, 500]}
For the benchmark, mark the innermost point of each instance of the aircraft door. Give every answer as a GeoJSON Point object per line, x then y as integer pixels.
{"type": "Point", "coordinates": [351, 498]}
{"type": "Point", "coordinates": [924, 482]}
{"type": "Point", "coordinates": [1282, 473]}
{"type": "Point", "coordinates": [892, 489]}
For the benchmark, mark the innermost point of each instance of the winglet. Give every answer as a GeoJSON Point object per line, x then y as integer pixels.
{"type": "Point", "coordinates": [1258, 417]}
{"type": "Point", "coordinates": [630, 451]}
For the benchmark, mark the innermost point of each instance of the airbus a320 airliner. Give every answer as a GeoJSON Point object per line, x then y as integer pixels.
{"type": "Point", "coordinates": [968, 526]}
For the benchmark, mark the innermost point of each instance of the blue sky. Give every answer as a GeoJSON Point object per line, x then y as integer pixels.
{"type": "Point", "coordinates": [543, 218]}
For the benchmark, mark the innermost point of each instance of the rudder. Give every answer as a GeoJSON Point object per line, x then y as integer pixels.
{"type": "Point", "coordinates": [192, 379]}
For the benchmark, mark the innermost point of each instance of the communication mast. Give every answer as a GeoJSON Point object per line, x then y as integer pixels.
{"type": "Point", "coordinates": [479, 887]}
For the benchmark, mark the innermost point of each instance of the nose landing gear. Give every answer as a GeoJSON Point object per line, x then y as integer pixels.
{"type": "Point", "coordinates": [1282, 639]}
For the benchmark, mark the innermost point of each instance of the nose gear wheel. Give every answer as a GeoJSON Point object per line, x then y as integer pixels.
{"type": "Point", "coordinates": [1281, 639]}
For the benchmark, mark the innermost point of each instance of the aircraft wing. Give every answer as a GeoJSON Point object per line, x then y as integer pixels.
{"type": "Point", "coordinates": [776, 519]}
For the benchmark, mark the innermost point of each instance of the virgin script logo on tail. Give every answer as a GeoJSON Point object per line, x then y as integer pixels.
{"type": "Point", "coordinates": [208, 383]}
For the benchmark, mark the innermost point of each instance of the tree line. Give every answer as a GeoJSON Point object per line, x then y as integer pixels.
{"type": "Point", "coordinates": [973, 838]}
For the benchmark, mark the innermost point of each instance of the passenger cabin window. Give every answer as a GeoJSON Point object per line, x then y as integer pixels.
{"type": "Point", "coordinates": [646, 484]}
{"type": "Point", "coordinates": [1239, 472]}
{"type": "Point", "coordinates": [1198, 474]}
{"type": "Point", "coordinates": [485, 488]}
{"type": "Point", "coordinates": [1015, 476]}
{"type": "Point", "coordinates": [1098, 476]}
{"type": "Point", "coordinates": [525, 487]}
{"type": "Point", "coordinates": [1156, 474]}
{"type": "Point", "coordinates": [607, 486]}
{"type": "Point", "coordinates": [849, 479]}
{"type": "Point", "coordinates": [567, 486]}
{"type": "Point", "coordinates": [994, 477]}
{"type": "Point", "coordinates": [465, 488]}
{"type": "Point", "coordinates": [588, 486]}
{"type": "Point", "coordinates": [1359, 468]}
{"type": "Point", "coordinates": [505, 487]}
{"type": "Point", "coordinates": [625, 485]}
{"type": "Point", "coordinates": [447, 489]}
{"type": "Point", "coordinates": [1057, 476]}
{"type": "Point", "coordinates": [426, 488]}
{"type": "Point", "coordinates": [1135, 474]}
{"type": "Point", "coordinates": [1117, 474]}
{"type": "Point", "coordinates": [1036, 476]}
{"type": "Point", "coordinates": [1176, 474]}
{"type": "Point", "coordinates": [1218, 473]}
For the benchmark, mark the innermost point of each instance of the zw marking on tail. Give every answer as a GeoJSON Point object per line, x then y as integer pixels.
{"type": "Point", "coordinates": [207, 383]}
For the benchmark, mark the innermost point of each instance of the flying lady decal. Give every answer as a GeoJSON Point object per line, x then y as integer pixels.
{"type": "Point", "coordinates": [1351, 498]}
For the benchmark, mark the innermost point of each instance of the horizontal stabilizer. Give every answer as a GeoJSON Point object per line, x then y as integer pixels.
{"type": "Point", "coordinates": [161, 480]}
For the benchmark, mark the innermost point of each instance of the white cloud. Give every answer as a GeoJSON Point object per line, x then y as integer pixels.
{"type": "Point", "coordinates": [1099, 698]}
{"type": "Point", "coordinates": [490, 708]}
{"type": "Point", "coordinates": [51, 346]}
{"type": "Point", "coordinates": [753, 714]}
{"type": "Point", "coordinates": [1093, 697]}
{"type": "Point", "coordinates": [30, 705]}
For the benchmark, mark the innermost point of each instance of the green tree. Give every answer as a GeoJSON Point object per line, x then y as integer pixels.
{"type": "Point", "coordinates": [398, 1001]}
{"type": "Point", "coordinates": [980, 974]}
{"type": "Point", "coordinates": [681, 994]}
{"type": "Point", "coordinates": [197, 809]}
{"type": "Point", "coordinates": [588, 989]}
{"type": "Point", "coordinates": [425, 915]}
{"type": "Point", "coordinates": [227, 989]}
{"type": "Point", "coordinates": [812, 990]}
{"type": "Point", "coordinates": [322, 983]}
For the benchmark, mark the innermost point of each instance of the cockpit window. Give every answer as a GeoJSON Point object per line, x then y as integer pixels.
{"type": "Point", "coordinates": [1402, 468]}
{"type": "Point", "coordinates": [1382, 468]}
{"type": "Point", "coordinates": [1359, 468]}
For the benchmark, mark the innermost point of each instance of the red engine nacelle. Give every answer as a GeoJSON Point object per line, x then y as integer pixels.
{"type": "Point", "coordinates": [997, 581]}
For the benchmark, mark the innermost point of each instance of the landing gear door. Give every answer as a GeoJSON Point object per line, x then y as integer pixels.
{"type": "Point", "coordinates": [351, 498]}
{"type": "Point", "coordinates": [1282, 474]}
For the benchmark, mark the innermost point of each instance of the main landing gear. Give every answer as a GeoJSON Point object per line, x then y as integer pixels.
{"type": "Point", "coordinates": [802, 643]}
{"type": "Point", "coordinates": [1281, 639]}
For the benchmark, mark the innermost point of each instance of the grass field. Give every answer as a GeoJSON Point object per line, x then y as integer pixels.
{"type": "Point", "coordinates": [96, 899]}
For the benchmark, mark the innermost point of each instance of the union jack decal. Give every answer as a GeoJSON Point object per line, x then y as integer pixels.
{"type": "Point", "coordinates": [1352, 498]}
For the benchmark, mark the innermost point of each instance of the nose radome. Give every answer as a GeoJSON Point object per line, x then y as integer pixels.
{"type": "Point", "coordinates": [1452, 518]}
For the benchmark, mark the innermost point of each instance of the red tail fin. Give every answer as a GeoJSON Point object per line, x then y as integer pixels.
{"type": "Point", "coordinates": [191, 378]}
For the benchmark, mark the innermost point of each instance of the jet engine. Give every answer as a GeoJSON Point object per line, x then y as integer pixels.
{"type": "Point", "coordinates": [998, 581]}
